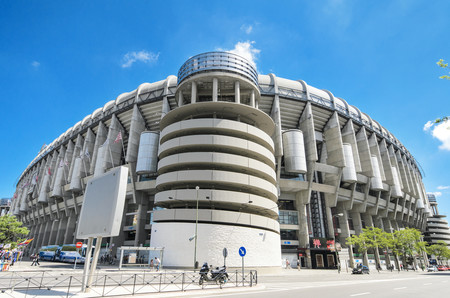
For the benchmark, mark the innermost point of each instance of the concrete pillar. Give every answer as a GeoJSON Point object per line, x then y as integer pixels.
{"type": "Point", "coordinates": [237, 92]}
{"type": "Point", "coordinates": [141, 234]}
{"type": "Point", "coordinates": [330, 225]}
{"type": "Point", "coordinates": [37, 237]}
{"type": "Point", "coordinates": [369, 223]}
{"type": "Point", "coordinates": [46, 233]}
{"type": "Point", "coordinates": [252, 99]}
{"type": "Point", "coordinates": [137, 126]}
{"type": "Point", "coordinates": [194, 92]}
{"type": "Point", "coordinates": [215, 89]}
{"type": "Point", "coordinates": [102, 134]}
{"type": "Point", "coordinates": [180, 98]}
{"type": "Point", "coordinates": [303, 225]}
{"type": "Point", "coordinates": [52, 235]}
{"type": "Point", "coordinates": [345, 233]}
{"type": "Point", "coordinates": [70, 228]}
{"type": "Point", "coordinates": [61, 230]}
{"type": "Point", "coordinates": [357, 224]}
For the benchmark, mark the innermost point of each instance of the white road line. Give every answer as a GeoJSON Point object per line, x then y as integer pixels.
{"type": "Point", "coordinates": [400, 288]}
{"type": "Point", "coordinates": [360, 294]}
{"type": "Point", "coordinates": [427, 284]}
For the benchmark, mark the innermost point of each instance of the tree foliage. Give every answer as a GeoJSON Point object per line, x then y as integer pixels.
{"type": "Point", "coordinates": [439, 250]}
{"type": "Point", "coordinates": [11, 230]}
{"type": "Point", "coordinates": [406, 242]}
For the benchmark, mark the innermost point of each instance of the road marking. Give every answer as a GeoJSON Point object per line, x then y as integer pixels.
{"type": "Point", "coordinates": [400, 288]}
{"type": "Point", "coordinates": [360, 294]}
{"type": "Point", "coordinates": [427, 284]}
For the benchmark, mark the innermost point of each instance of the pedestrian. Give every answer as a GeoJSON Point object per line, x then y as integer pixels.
{"type": "Point", "coordinates": [33, 259]}
{"type": "Point", "coordinates": [37, 260]}
{"type": "Point", "coordinates": [157, 263]}
{"type": "Point", "coordinates": [288, 265]}
{"type": "Point", "coordinates": [151, 264]}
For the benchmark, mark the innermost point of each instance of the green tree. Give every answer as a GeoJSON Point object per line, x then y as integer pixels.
{"type": "Point", "coordinates": [439, 250]}
{"type": "Point", "coordinates": [375, 239]}
{"type": "Point", "coordinates": [11, 230]}
{"type": "Point", "coordinates": [359, 242]}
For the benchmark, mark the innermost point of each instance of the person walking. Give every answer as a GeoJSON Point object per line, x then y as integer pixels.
{"type": "Point", "coordinates": [37, 260]}
{"type": "Point", "coordinates": [157, 263]}
{"type": "Point", "coordinates": [151, 264]}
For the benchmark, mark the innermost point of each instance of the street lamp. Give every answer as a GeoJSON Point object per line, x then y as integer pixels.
{"type": "Point", "coordinates": [195, 235]}
{"type": "Point", "coordinates": [334, 240]}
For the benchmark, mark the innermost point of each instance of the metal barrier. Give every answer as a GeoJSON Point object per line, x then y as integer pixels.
{"type": "Point", "coordinates": [23, 284]}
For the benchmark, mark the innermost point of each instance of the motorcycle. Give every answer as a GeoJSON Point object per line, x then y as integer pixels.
{"type": "Point", "coordinates": [219, 275]}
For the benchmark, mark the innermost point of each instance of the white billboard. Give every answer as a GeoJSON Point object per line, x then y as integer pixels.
{"type": "Point", "coordinates": [102, 209]}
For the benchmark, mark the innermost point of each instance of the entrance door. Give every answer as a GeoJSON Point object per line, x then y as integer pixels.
{"type": "Point", "coordinates": [330, 260]}
{"type": "Point", "coordinates": [302, 262]}
{"type": "Point", "coordinates": [319, 261]}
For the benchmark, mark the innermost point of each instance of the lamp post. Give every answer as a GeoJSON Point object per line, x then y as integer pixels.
{"type": "Point", "coordinates": [334, 241]}
{"type": "Point", "coordinates": [195, 235]}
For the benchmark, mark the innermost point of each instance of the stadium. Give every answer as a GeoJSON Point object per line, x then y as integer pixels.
{"type": "Point", "coordinates": [223, 157]}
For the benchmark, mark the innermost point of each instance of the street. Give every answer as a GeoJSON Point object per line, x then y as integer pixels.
{"type": "Point", "coordinates": [305, 284]}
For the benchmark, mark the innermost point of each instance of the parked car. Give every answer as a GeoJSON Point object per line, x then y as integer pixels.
{"type": "Point", "coordinates": [432, 269]}
{"type": "Point", "coordinates": [442, 268]}
{"type": "Point", "coordinates": [360, 269]}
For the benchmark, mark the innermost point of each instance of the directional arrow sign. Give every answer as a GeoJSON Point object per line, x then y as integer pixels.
{"type": "Point", "coordinates": [242, 251]}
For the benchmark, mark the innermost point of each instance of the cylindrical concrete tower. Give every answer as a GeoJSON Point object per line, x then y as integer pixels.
{"type": "Point", "coordinates": [216, 171]}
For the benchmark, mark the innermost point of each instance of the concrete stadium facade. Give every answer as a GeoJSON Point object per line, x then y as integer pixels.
{"type": "Point", "coordinates": [221, 157]}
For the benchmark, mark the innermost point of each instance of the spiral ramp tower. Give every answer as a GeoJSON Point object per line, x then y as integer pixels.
{"type": "Point", "coordinates": [216, 172]}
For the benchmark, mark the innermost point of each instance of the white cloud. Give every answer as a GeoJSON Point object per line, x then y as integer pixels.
{"type": "Point", "coordinates": [443, 187]}
{"type": "Point", "coordinates": [247, 28]}
{"type": "Point", "coordinates": [35, 64]}
{"type": "Point", "coordinates": [441, 132]}
{"type": "Point", "coordinates": [142, 56]}
{"type": "Point", "coordinates": [246, 50]}
{"type": "Point", "coordinates": [428, 125]}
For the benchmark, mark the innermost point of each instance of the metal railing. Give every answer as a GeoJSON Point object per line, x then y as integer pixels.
{"type": "Point", "coordinates": [23, 284]}
{"type": "Point", "coordinates": [222, 61]}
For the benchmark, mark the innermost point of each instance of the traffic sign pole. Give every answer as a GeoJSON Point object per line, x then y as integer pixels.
{"type": "Point", "coordinates": [242, 252]}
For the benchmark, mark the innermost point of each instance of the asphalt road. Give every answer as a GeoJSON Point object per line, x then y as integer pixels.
{"type": "Point", "coordinates": [385, 284]}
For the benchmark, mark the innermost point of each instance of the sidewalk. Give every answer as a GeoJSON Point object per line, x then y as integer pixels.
{"type": "Point", "coordinates": [55, 277]}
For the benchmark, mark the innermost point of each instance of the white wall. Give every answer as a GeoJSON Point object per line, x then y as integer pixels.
{"type": "Point", "coordinates": [263, 247]}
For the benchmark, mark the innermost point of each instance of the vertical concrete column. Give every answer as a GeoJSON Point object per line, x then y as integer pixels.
{"type": "Point", "coordinates": [118, 241]}
{"type": "Point", "coordinates": [194, 92]}
{"type": "Point", "coordinates": [303, 233]}
{"type": "Point", "coordinates": [330, 222]}
{"type": "Point", "coordinates": [252, 99]}
{"type": "Point", "coordinates": [141, 234]}
{"type": "Point", "coordinates": [46, 233]}
{"type": "Point", "coordinates": [37, 236]}
{"type": "Point", "coordinates": [70, 228]}
{"type": "Point", "coordinates": [215, 89]}
{"type": "Point", "coordinates": [180, 98]}
{"type": "Point", "coordinates": [237, 92]}
{"type": "Point", "coordinates": [357, 224]}
{"type": "Point", "coordinates": [345, 233]}
{"type": "Point", "coordinates": [52, 236]}
{"type": "Point", "coordinates": [369, 222]}
{"type": "Point", "coordinates": [61, 230]}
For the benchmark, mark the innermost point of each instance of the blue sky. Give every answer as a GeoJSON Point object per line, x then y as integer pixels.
{"type": "Point", "coordinates": [60, 60]}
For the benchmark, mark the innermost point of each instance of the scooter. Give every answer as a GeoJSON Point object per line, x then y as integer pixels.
{"type": "Point", "coordinates": [219, 275]}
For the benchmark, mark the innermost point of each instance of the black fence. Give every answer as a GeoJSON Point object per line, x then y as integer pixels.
{"type": "Point", "coordinates": [40, 283]}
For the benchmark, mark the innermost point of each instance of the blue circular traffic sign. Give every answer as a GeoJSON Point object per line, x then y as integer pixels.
{"type": "Point", "coordinates": [242, 251]}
